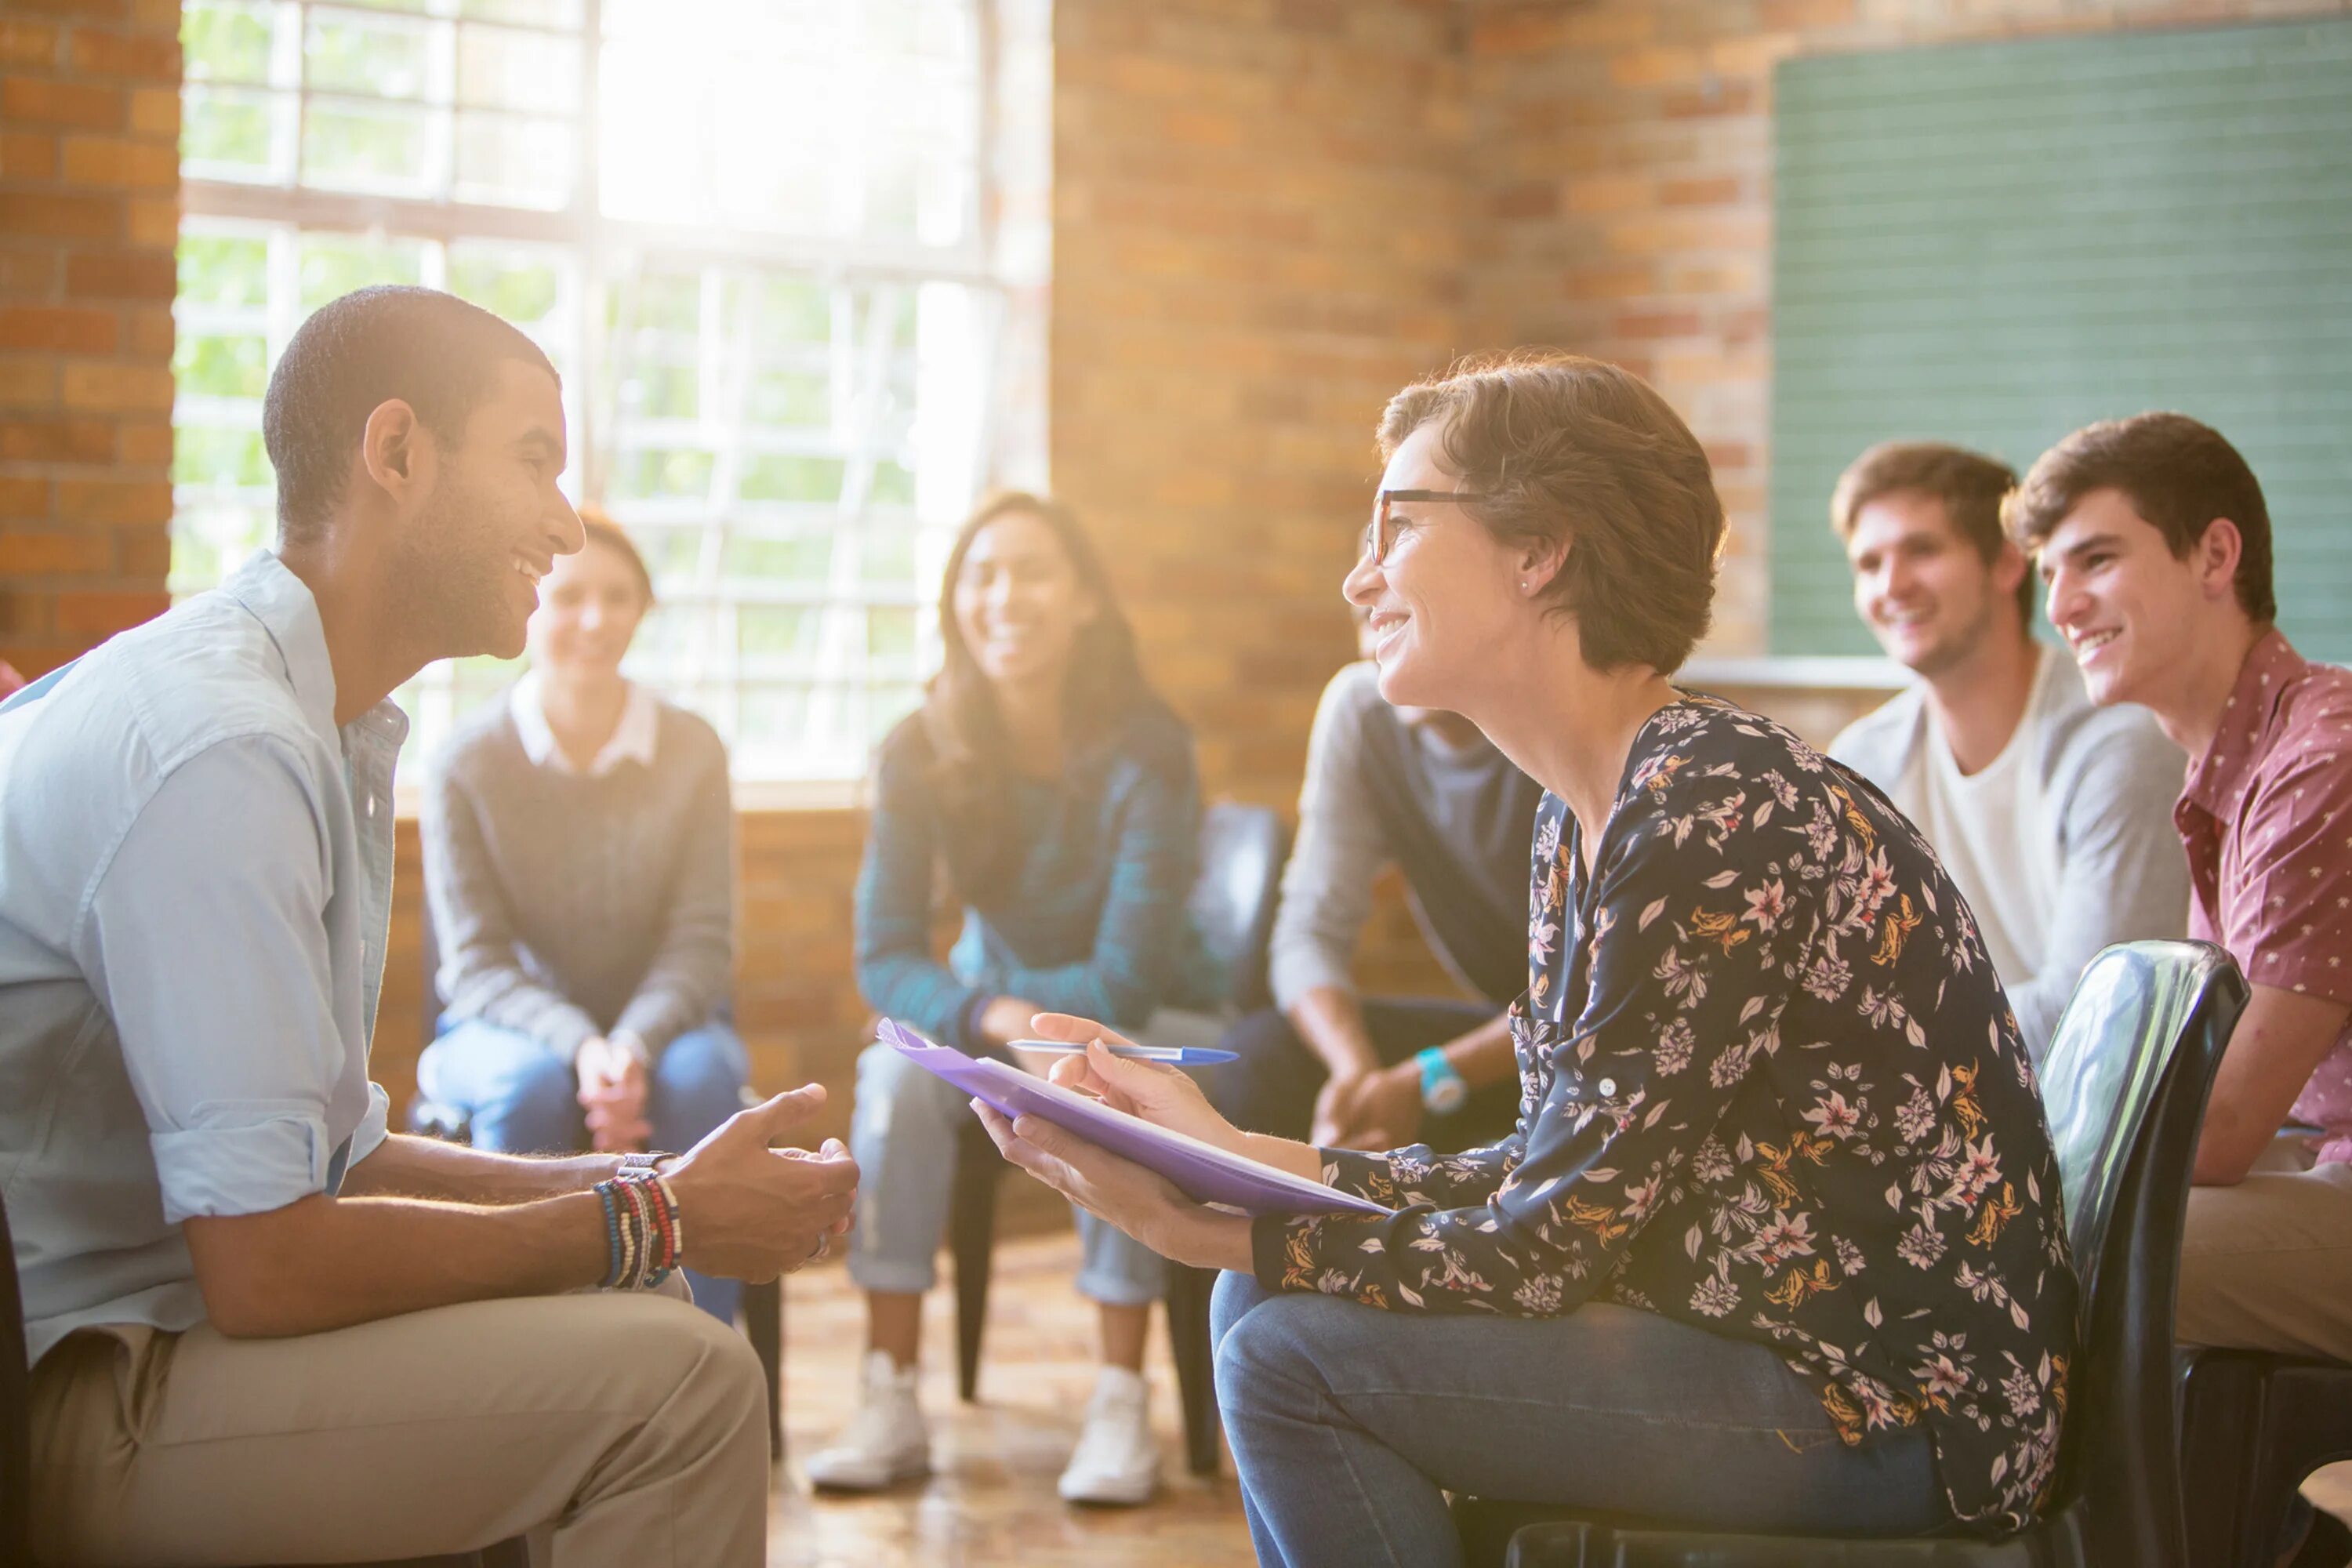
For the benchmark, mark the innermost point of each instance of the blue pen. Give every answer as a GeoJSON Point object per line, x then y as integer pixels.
{"type": "Point", "coordinates": [1174, 1055]}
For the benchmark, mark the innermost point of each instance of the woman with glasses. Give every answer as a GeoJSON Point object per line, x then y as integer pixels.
{"type": "Point", "coordinates": [1777, 1243]}
{"type": "Point", "coordinates": [1058, 795]}
{"type": "Point", "coordinates": [580, 860]}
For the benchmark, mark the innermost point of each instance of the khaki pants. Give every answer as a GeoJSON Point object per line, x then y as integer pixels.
{"type": "Point", "coordinates": [2267, 1264]}
{"type": "Point", "coordinates": [635, 1426]}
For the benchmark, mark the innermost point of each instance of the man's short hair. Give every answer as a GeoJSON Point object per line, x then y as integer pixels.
{"type": "Point", "coordinates": [1969, 484]}
{"type": "Point", "coordinates": [1579, 452]}
{"type": "Point", "coordinates": [431, 351]}
{"type": "Point", "coordinates": [2178, 474]}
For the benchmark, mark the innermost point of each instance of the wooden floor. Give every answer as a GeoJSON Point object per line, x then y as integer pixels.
{"type": "Point", "coordinates": [991, 1499]}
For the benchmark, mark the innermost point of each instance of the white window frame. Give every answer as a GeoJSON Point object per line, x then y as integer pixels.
{"type": "Point", "coordinates": [603, 247]}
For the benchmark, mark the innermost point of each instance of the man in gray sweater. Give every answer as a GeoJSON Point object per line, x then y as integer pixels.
{"type": "Point", "coordinates": [2053, 816]}
{"type": "Point", "coordinates": [1427, 793]}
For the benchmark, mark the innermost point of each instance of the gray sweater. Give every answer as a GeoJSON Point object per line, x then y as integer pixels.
{"type": "Point", "coordinates": [571, 905]}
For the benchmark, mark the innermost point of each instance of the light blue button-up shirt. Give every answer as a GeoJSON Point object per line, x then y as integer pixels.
{"type": "Point", "coordinates": [195, 883]}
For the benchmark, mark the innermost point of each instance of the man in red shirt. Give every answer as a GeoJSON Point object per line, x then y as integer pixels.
{"type": "Point", "coordinates": [2155, 546]}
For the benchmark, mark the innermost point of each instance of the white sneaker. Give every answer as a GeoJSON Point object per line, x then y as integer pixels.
{"type": "Point", "coordinates": [885, 1443]}
{"type": "Point", "coordinates": [1116, 1460]}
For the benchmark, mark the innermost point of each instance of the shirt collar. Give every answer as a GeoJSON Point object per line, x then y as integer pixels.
{"type": "Point", "coordinates": [632, 737]}
{"type": "Point", "coordinates": [2221, 774]}
{"type": "Point", "coordinates": [288, 612]}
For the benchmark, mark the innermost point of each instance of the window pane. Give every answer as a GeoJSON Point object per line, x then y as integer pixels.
{"type": "Point", "coordinates": [225, 40]}
{"type": "Point", "coordinates": [221, 459]}
{"type": "Point", "coordinates": [226, 132]}
{"type": "Point", "coordinates": [532, 13]}
{"type": "Point", "coordinates": [672, 473]}
{"type": "Point", "coordinates": [781, 478]}
{"type": "Point", "coordinates": [333, 265]}
{"type": "Point", "coordinates": [800, 563]}
{"type": "Point", "coordinates": [220, 365]}
{"type": "Point", "coordinates": [508, 161]}
{"type": "Point", "coordinates": [223, 269]}
{"type": "Point", "coordinates": [351, 146]}
{"type": "Point", "coordinates": [500, 68]}
{"type": "Point", "coordinates": [380, 57]}
{"type": "Point", "coordinates": [519, 283]}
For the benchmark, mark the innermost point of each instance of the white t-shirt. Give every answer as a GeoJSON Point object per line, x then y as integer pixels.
{"type": "Point", "coordinates": [1992, 830]}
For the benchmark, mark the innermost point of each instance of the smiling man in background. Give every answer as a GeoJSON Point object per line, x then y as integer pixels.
{"type": "Point", "coordinates": [2053, 816]}
{"type": "Point", "coordinates": [2154, 542]}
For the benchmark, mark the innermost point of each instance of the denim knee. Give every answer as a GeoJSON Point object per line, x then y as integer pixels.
{"type": "Point", "coordinates": [519, 1097]}
{"type": "Point", "coordinates": [1256, 1347]}
{"type": "Point", "coordinates": [697, 1083]}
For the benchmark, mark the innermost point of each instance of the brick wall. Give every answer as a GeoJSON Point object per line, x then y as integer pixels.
{"type": "Point", "coordinates": [1623, 182]}
{"type": "Point", "coordinates": [90, 120]}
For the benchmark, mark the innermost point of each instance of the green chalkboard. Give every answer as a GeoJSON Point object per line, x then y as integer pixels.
{"type": "Point", "coordinates": [1994, 244]}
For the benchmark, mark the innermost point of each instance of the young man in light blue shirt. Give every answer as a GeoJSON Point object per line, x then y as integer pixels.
{"type": "Point", "coordinates": [263, 1329]}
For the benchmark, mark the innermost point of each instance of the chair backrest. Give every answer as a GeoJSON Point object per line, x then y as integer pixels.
{"type": "Point", "coordinates": [1241, 851]}
{"type": "Point", "coordinates": [2124, 1089]}
{"type": "Point", "coordinates": [16, 1431]}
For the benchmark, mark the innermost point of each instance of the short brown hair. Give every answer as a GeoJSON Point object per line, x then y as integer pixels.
{"type": "Point", "coordinates": [1969, 485]}
{"type": "Point", "coordinates": [2178, 474]}
{"type": "Point", "coordinates": [597, 527]}
{"type": "Point", "coordinates": [1581, 452]}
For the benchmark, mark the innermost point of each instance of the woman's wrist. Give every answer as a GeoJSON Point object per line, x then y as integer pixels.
{"type": "Point", "coordinates": [1204, 1238]}
{"type": "Point", "coordinates": [1282, 1153]}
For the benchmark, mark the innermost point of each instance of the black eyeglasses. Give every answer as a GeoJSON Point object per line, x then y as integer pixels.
{"type": "Point", "coordinates": [1378, 534]}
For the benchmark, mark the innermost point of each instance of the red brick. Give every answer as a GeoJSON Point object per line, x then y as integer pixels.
{"type": "Point", "coordinates": [144, 552]}
{"type": "Point", "coordinates": [47, 554]}
{"type": "Point", "coordinates": [60, 217]}
{"type": "Point", "coordinates": [153, 224]}
{"type": "Point", "coordinates": [28, 381]}
{"type": "Point", "coordinates": [114, 501]}
{"type": "Point", "coordinates": [1531, 199]}
{"type": "Point", "coordinates": [1708, 193]}
{"type": "Point", "coordinates": [145, 443]}
{"type": "Point", "coordinates": [149, 58]}
{"type": "Point", "coordinates": [118, 388]}
{"type": "Point", "coordinates": [155, 112]}
{"type": "Point", "coordinates": [56, 441]}
{"type": "Point", "coordinates": [106, 613]}
{"type": "Point", "coordinates": [28, 155]}
{"type": "Point", "coordinates": [78, 105]}
{"type": "Point", "coordinates": [151, 333]}
{"type": "Point", "coordinates": [114, 161]}
{"type": "Point", "coordinates": [121, 275]}
{"type": "Point", "coordinates": [22, 497]}
{"type": "Point", "coordinates": [87, 10]}
{"type": "Point", "coordinates": [1656, 325]}
{"type": "Point", "coordinates": [59, 328]}
{"type": "Point", "coordinates": [23, 43]}
{"type": "Point", "coordinates": [28, 272]}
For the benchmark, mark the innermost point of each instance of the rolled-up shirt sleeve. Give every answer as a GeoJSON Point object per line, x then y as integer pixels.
{"type": "Point", "coordinates": [206, 943]}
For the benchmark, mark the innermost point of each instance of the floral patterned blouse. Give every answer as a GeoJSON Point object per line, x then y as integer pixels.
{"type": "Point", "coordinates": [1768, 1087]}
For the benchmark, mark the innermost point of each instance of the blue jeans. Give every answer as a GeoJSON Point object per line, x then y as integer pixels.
{"type": "Point", "coordinates": [1346, 1421]}
{"type": "Point", "coordinates": [523, 1098]}
{"type": "Point", "coordinates": [903, 1134]}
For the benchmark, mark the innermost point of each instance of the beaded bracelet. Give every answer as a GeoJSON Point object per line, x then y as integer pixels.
{"type": "Point", "coordinates": [646, 1239]}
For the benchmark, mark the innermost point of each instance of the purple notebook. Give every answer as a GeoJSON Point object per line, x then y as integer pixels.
{"type": "Point", "coordinates": [1203, 1172]}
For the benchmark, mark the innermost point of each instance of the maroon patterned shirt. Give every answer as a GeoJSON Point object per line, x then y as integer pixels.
{"type": "Point", "coordinates": [2267, 822]}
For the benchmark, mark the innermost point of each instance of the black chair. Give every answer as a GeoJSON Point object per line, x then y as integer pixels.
{"type": "Point", "coordinates": [2125, 1088]}
{"type": "Point", "coordinates": [1233, 901]}
{"type": "Point", "coordinates": [2253, 1425]}
{"type": "Point", "coordinates": [763, 1305]}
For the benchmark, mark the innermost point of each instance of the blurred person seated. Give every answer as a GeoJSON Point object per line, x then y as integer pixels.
{"type": "Point", "coordinates": [1059, 795]}
{"type": "Point", "coordinates": [1424, 791]}
{"type": "Point", "coordinates": [2155, 543]}
{"type": "Point", "coordinates": [2053, 815]}
{"type": "Point", "coordinates": [580, 858]}
{"type": "Point", "coordinates": [261, 1327]}
{"type": "Point", "coordinates": [1777, 1244]}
